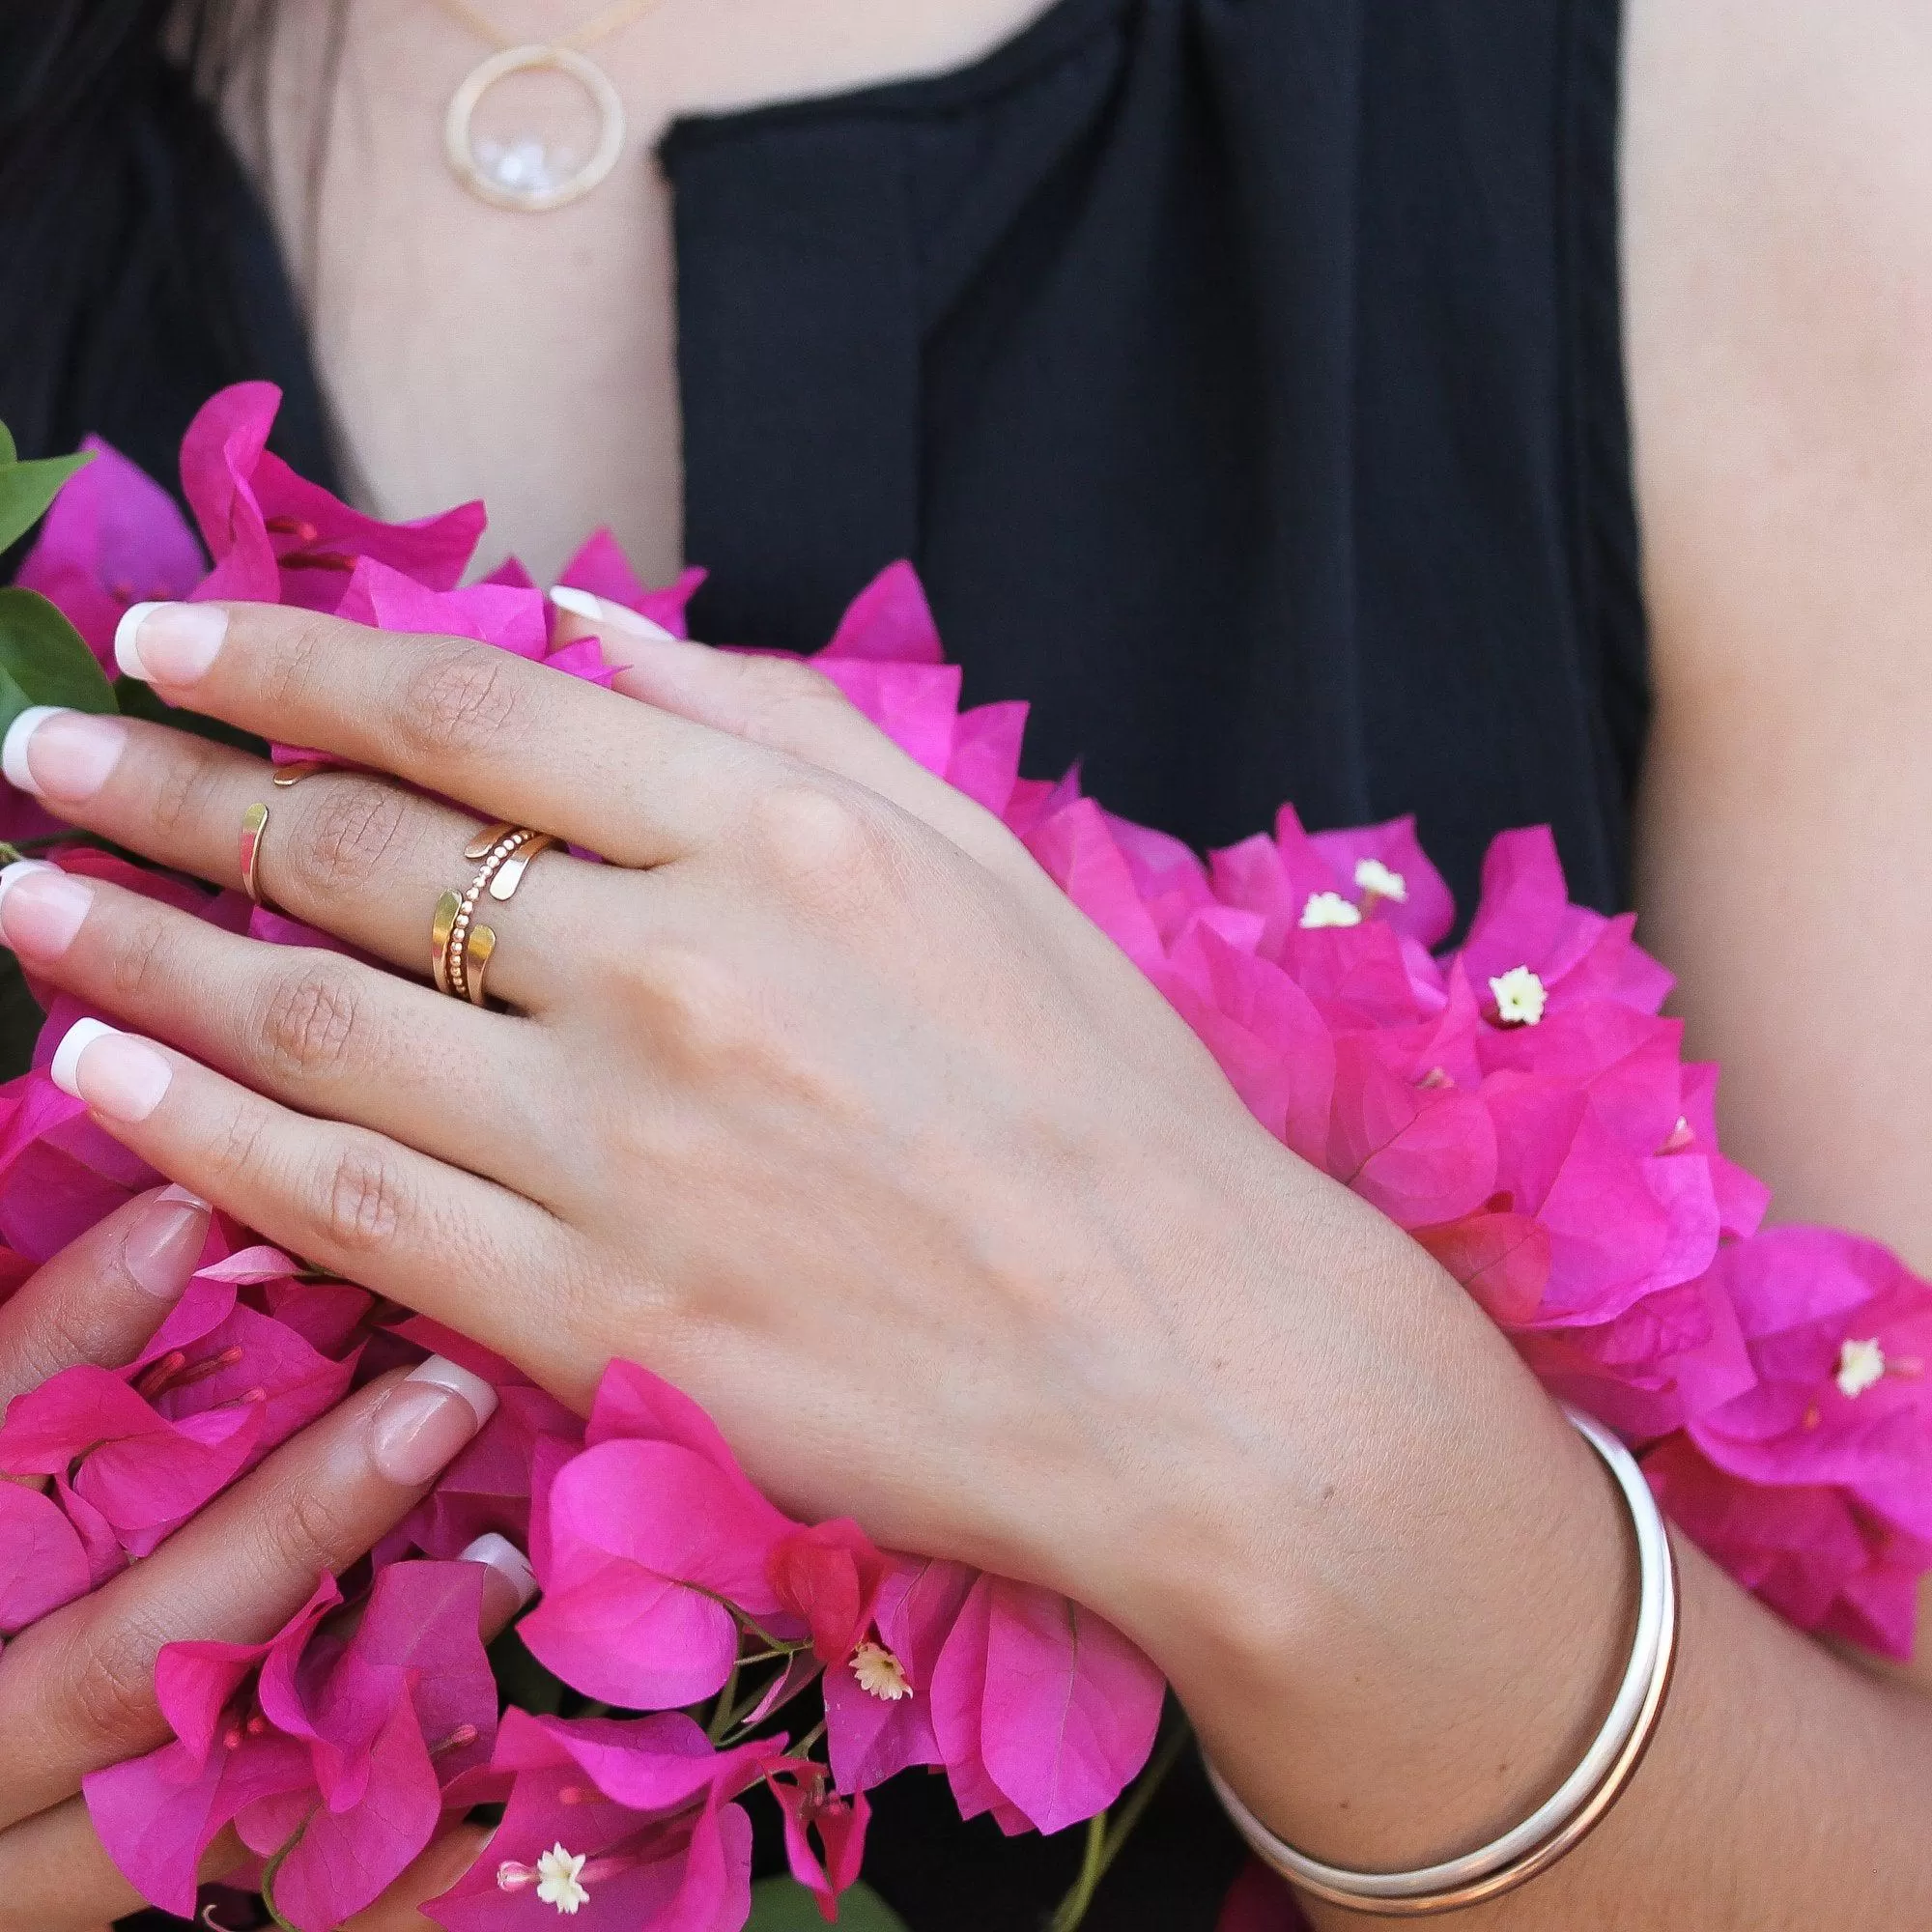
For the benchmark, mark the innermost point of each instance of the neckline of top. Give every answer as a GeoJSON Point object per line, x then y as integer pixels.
{"type": "Point", "coordinates": [1064, 26]}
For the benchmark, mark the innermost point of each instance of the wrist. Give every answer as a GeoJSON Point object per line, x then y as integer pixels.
{"type": "Point", "coordinates": [1392, 1586]}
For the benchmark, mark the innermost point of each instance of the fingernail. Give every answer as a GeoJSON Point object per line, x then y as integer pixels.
{"type": "Point", "coordinates": [163, 1246]}
{"type": "Point", "coordinates": [114, 1072]}
{"type": "Point", "coordinates": [507, 1560]}
{"type": "Point", "coordinates": [54, 752]}
{"type": "Point", "coordinates": [428, 1418]}
{"type": "Point", "coordinates": [169, 644]}
{"type": "Point", "coordinates": [41, 908]}
{"type": "Point", "coordinates": [605, 612]}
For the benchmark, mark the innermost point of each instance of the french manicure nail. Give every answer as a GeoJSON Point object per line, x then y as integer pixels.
{"type": "Point", "coordinates": [163, 1246]}
{"type": "Point", "coordinates": [58, 754]}
{"type": "Point", "coordinates": [507, 1560]}
{"type": "Point", "coordinates": [616, 616]}
{"type": "Point", "coordinates": [114, 1072]}
{"type": "Point", "coordinates": [427, 1419]}
{"type": "Point", "coordinates": [41, 908]}
{"type": "Point", "coordinates": [169, 644]}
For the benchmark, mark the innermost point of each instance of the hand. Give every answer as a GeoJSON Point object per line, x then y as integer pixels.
{"type": "Point", "coordinates": [824, 1101]}
{"type": "Point", "coordinates": [76, 1687]}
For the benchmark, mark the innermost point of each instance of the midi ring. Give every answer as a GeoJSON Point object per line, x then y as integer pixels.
{"type": "Point", "coordinates": [460, 948]}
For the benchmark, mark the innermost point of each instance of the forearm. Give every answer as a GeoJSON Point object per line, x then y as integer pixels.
{"type": "Point", "coordinates": [1451, 1667]}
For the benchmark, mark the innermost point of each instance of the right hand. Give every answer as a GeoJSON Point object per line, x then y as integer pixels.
{"type": "Point", "coordinates": [76, 1689]}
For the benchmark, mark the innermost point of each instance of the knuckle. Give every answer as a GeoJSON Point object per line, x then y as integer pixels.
{"type": "Point", "coordinates": [787, 703]}
{"type": "Point", "coordinates": [187, 796]}
{"type": "Point", "coordinates": [108, 1670]}
{"type": "Point", "coordinates": [351, 835]}
{"type": "Point", "coordinates": [359, 1200]}
{"type": "Point", "coordinates": [821, 846]}
{"type": "Point", "coordinates": [138, 963]}
{"type": "Point", "coordinates": [309, 1023]}
{"type": "Point", "coordinates": [458, 701]}
{"type": "Point", "coordinates": [308, 1530]}
{"type": "Point", "coordinates": [705, 1009]}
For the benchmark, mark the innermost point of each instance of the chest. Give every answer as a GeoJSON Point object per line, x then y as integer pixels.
{"type": "Point", "coordinates": [531, 358]}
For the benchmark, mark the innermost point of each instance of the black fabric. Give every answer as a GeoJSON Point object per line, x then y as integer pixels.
{"type": "Point", "coordinates": [1244, 376]}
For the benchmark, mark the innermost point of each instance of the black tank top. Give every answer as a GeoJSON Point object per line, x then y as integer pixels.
{"type": "Point", "coordinates": [1244, 379]}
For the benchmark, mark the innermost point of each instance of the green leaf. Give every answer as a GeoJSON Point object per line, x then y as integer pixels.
{"type": "Point", "coordinates": [7, 453]}
{"type": "Point", "coordinates": [44, 660]}
{"type": "Point", "coordinates": [784, 1905]}
{"type": "Point", "coordinates": [26, 489]}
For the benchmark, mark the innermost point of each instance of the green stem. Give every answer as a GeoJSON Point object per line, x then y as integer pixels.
{"type": "Point", "coordinates": [721, 1717]}
{"type": "Point", "coordinates": [1092, 1864]}
{"type": "Point", "coordinates": [273, 1870]}
{"type": "Point", "coordinates": [1106, 1835]}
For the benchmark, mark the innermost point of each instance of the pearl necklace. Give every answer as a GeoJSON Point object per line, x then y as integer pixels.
{"type": "Point", "coordinates": [526, 173]}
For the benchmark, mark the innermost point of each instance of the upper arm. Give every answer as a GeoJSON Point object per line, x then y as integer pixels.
{"type": "Point", "coordinates": [1778, 237]}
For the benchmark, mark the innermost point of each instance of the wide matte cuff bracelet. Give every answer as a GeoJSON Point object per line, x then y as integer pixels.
{"type": "Point", "coordinates": [1562, 1820]}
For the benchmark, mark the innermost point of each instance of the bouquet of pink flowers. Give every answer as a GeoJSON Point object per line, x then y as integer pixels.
{"type": "Point", "coordinates": [1516, 1103]}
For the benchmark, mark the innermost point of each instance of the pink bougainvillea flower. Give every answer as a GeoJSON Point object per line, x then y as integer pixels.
{"type": "Point", "coordinates": [878, 1702]}
{"type": "Point", "coordinates": [113, 537]}
{"type": "Point", "coordinates": [654, 1542]}
{"type": "Point", "coordinates": [601, 568]}
{"type": "Point", "coordinates": [326, 1747]}
{"type": "Point", "coordinates": [1546, 952]}
{"type": "Point", "coordinates": [1044, 1712]}
{"type": "Point", "coordinates": [812, 1809]}
{"type": "Point", "coordinates": [142, 1473]}
{"type": "Point", "coordinates": [1840, 1335]}
{"type": "Point", "coordinates": [276, 538]}
{"type": "Point", "coordinates": [828, 1577]}
{"type": "Point", "coordinates": [43, 1562]}
{"type": "Point", "coordinates": [1423, 1154]}
{"type": "Point", "coordinates": [1811, 1551]}
{"type": "Point", "coordinates": [624, 1825]}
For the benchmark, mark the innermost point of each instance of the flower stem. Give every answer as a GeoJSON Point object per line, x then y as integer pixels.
{"type": "Point", "coordinates": [1107, 1834]}
{"type": "Point", "coordinates": [273, 1870]}
{"type": "Point", "coordinates": [722, 1712]}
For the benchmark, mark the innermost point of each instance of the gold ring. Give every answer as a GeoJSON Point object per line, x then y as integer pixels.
{"type": "Point", "coordinates": [460, 948]}
{"type": "Point", "coordinates": [254, 822]}
{"type": "Point", "coordinates": [302, 768]}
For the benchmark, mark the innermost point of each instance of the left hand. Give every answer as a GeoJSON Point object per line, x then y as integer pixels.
{"type": "Point", "coordinates": [821, 1099]}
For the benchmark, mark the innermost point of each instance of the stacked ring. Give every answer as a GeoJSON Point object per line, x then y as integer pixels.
{"type": "Point", "coordinates": [460, 948]}
{"type": "Point", "coordinates": [255, 822]}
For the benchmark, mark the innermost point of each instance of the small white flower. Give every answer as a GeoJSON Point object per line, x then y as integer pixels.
{"type": "Point", "coordinates": [1372, 876]}
{"type": "Point", "coordinates": [1861, 1364]}
{"type": "Point", "coordinates": [557, 1883]}
{"type": "Point", "coordinates": [880, 1673]}
{"type": "Point", "coordinates": [1520, 997]}
{"type": "Point", "coordinates": [1328, 909]}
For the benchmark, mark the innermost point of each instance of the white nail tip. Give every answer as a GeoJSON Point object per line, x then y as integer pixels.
{"type": "Point", "coordinates": [13, 752]}
{"type": "Point", "coordinates": [127, 641]}
{"type": "Point", "coordinates": [79, 1037]}
{"type": "Point", "coordinates": [445, 1374]}
{"type": "Point", "coordinates": [12, 875]}
{"type": "Point", "coordinates": [602, 611]}
{"type": "Point", "coordinates": [507, 1560]}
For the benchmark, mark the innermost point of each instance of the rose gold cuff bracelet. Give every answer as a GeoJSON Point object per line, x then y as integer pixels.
{"type": "Point", "coordinates": [1567, 1816]}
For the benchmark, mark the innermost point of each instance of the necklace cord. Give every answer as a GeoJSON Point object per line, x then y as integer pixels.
{"type": "Point", "coordinates": [600, 26]}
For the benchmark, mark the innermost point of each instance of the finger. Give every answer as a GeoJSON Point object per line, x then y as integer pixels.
{"type": "Point", "coordinates": [77, 1689]}
{"type": "Point", "coordinates": [465, 720]}
{"type": "Point", "coordinates": [55, 1874]}
{"type": "Point", "coordinates": [104, 1293]}
{"type": "Point", "coordinates": [352, 854]}
{"type": "Point", "coordinates": [347, 1198]}
{"type": "Point", "coordinates": [324, 1032]}
{"type": "Point", "coordinates": [786, 705]}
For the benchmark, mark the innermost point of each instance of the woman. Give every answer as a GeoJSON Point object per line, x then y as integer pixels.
{"type": "Point", "coordinates": [1245, 380]}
